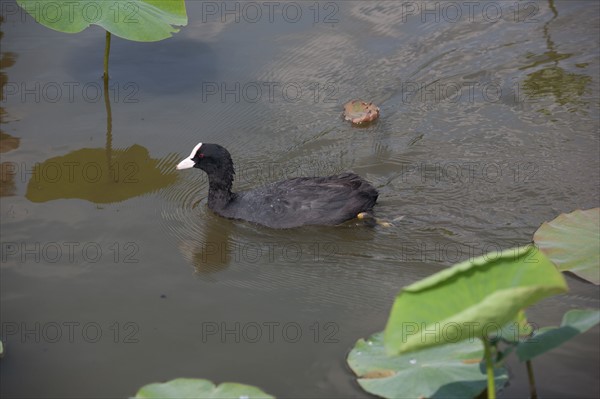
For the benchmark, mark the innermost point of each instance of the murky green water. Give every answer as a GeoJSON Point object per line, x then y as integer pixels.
{"type": "Point", "coordinates": [114, 272]}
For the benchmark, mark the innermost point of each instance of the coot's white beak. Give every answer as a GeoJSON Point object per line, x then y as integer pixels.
{"type": "Point", "coordinates": [185, 164]}
{"type": "Point", "coordinates": [188, 163]}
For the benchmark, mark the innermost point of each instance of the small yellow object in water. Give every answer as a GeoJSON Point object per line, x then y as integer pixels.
{"type": "Point", "coordinates": [365, 215]}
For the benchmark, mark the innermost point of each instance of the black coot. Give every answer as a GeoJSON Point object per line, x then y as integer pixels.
{"type": "Point", "coordinates": [296, 202]}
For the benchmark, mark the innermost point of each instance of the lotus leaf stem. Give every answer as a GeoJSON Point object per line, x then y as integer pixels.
{"type": "Point", "coordinates": [489, 365]}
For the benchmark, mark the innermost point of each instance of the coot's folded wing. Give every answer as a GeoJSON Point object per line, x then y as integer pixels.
{"type": "Point", "coordinates": [305, 201]}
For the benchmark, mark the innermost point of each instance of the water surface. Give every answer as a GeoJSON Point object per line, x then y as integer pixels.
{"type": "Point", "coordinates": [489, 127]}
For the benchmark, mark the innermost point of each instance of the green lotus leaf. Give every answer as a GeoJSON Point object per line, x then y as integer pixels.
{"type": "Point", "coordinates": [472, 299]}
{"type": "Point", "coordinates": [574, 322]}
{"type": "Point", "coordinates": [447, 371]}
{"type": "Point", "coordinates": [139, 20]}
{"type": "Point", "coordinates": [192, 388]}
{"type": "Point", "coordinates": [572, 242]}
{"type": "Point", "coordinates": [515, 331]}
{"type": "Point", "coordinates": [88, 174]}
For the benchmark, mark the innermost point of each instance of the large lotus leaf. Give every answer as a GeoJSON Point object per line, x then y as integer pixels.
{"type": "Point", "coordinates": [191, 388]}
{"type": "Point", "coordinates": [572, 242]}
{"type": "Point", "coordinates": [139, 20]}
{"type": "Point", "coordinates": [472, 299]}
{"type": "Point", "coordinates": [447, 371]}
{"type": "Point", "coordinates": [88, 174]}
{"type": "Point", "coordinates": [574, 322]}
{"type": "Point", "coordinates": [515, 331]}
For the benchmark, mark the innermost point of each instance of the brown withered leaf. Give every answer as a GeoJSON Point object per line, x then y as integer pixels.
{"type": "Point", "coordinates": [359, 112]}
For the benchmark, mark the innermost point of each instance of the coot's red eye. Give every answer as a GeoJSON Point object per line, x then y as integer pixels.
{"type": "Point", "coordinates": [200, 155]}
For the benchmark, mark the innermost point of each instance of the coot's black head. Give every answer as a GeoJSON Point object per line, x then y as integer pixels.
{"type": "Point", "coordinates": [211, 158]}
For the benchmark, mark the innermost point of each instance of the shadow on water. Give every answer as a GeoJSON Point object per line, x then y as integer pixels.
{"type": "Point", "coordinates": [171, 66]}
{"type": "Point", "coordinates": [7, 142]}
{"type": "Point", "coordinates": [566, 87]}
{"type": "Point", "coordinates": [212, 243]}
{"type": "Point", "coordinates": [7, 175]}
{"type": "Point", "coordinates": [88, 174]}
{"type": "Point", "coordinates": [103, 175]}
{"type": "Point", "coordinates": [213, 253]}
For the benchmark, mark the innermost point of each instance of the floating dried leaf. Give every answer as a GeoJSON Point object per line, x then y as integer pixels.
{"type": "Point", "coordinates": [358, 111]}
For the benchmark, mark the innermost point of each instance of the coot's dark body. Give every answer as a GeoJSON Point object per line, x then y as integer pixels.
{"type": "Point", "coordinates": [303, 201]}
{"type": "Point", "coordinates": [291, 203]}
